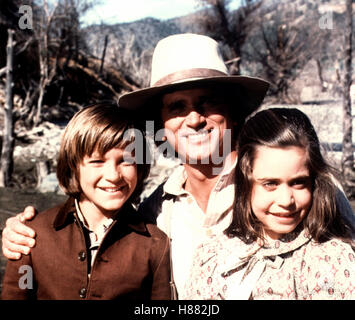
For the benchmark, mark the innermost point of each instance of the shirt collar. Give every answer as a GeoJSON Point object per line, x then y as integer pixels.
{"type": "Point", "coordinates": [127, 217]}
{"type": "Point", "coordinates": [105, 225]}
{"type": "Point", "coordinates": [175, 183]}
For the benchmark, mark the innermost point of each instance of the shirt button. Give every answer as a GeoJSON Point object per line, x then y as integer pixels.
{"type": "Point", "coordinates": [82, 293]}
{"type": "Point", "coordinates": [82, 255]}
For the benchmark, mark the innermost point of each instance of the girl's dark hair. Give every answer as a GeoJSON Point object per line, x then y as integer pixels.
{"type": "Point", "coordinates": [101, 126]}
{"type": "Point", "coordinates": [278, 128]}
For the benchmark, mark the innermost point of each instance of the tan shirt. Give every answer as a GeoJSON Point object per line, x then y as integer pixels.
{"type": "Point", "coordinates": [185, 222]}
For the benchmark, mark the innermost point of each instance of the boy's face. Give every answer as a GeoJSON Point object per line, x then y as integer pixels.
{"type": "Point", "coordinates": [106, 181]}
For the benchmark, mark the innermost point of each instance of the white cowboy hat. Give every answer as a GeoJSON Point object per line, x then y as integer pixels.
{"type": "Point", "coordinates": [183, 60]}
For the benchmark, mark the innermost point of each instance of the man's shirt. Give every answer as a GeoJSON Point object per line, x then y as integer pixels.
{"type": "Point", "coordinates": [185, 222]}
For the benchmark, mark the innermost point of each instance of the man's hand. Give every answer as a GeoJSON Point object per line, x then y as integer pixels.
{"type": "Point", "coordinates": [17, 238]}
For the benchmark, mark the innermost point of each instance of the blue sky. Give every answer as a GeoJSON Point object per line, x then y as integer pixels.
{"type": "Point", "coordinates": [118, 11]}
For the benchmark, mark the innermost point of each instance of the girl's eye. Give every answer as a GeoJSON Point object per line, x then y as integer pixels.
{"type": "Point", "coordinates": [300, 183]}
{"type": "Point", "coordinates": [270, 185]}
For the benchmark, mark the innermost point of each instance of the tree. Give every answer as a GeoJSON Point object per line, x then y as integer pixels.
{"type": "Point", "coordinates": [230, 28]}
{"type": "Point", "coordinates": [43, 36]}
{"type": "Point", "coordinates": [6, 164]}
{"type": "Point", "coordinates": [283, 43]}
{"type": "Point", "coordinates": [347, 160]}
{"type": "Point", "coordinates": [56, 34]}
{"type": "Point", "coordinates": [132, 62]}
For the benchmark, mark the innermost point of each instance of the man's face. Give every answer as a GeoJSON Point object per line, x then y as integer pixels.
{"type": "Point", "coordinates": [195, 122]}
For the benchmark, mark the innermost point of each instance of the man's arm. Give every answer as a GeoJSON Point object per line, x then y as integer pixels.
{"type": "Point", "coordinates": [17, 238]}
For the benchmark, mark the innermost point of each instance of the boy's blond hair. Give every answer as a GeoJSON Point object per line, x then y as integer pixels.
{"type": "Point", "coordinates": [98, 127]}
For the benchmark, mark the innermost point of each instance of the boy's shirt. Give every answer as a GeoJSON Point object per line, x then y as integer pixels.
{"type": "Point", "coordinates": [94, 239]}
{"type": "Point", "coordinates": [60, 260]}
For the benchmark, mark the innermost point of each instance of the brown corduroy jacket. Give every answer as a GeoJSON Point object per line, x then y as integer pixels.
{"type": "Point", "coordinates": [132, 261]}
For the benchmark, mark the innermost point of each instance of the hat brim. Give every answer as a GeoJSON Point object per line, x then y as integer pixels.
{"type": "Point", "coordinates": [255, 89]}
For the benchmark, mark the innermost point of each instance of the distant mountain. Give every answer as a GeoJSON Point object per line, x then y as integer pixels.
{"type": "Point", "coordinates": [142, 35]}
{"type": "Point", "coordinates": [147, 32]}
{"type": "Point", "coordinates": [127, 42]}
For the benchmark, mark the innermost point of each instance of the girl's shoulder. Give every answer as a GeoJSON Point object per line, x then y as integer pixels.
{"type": "Point", "coordinates": [334, 245]}
{"type": "Point", "coordinates": [329, 268]}
{"type": "Point", "coordinates": [333, 251]}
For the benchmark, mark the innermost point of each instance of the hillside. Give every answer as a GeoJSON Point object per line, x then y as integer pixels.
{"type": "Point", "coordinates": [138, 38]}
{"type": "Point", "coordinates": [130, 46]}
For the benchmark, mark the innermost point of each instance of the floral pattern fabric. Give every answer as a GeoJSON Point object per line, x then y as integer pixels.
{"type": "Point", "coordinates": [294, 267]}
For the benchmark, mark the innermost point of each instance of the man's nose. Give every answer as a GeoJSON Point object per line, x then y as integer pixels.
{"type": "Point", "coordinates": [195, 119]}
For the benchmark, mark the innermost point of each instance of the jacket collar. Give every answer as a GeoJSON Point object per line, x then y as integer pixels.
{"type": "Point", "coordinates": [127, 216]}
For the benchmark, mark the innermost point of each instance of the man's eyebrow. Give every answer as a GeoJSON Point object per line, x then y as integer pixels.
{"type": "Point", "coordinates": [170, 104]}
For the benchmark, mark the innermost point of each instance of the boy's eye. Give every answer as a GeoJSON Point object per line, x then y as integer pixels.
{"type": "Point", "coordinates": [94, 161]}
{"type": "Point", "coordinates": [129, 161]}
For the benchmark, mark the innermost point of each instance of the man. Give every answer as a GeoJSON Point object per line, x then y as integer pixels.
{"type": "Point", "coordinates": [201, 109]}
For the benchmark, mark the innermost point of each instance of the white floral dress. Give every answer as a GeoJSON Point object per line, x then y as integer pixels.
{"type": "Point", "coordinates": [294, 267]}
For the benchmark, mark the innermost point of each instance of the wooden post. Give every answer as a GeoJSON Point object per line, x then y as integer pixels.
{"type": "Point", "coordinates": [347, 159]}
{"type": "Point", "coordinates": [6, 163]}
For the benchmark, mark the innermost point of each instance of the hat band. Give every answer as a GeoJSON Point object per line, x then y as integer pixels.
{"type": "Point", "coordinates": [188, 74]}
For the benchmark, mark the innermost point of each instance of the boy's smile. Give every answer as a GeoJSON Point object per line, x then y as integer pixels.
{"type": "Point", "coordinates": [106, 181]}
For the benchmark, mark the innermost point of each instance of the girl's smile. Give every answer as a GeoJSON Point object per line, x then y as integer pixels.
{"type": "Point", "coordinates": [282, 188]}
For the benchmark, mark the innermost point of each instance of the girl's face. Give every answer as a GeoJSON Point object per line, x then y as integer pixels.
{"type": "Point", "coordinates": [282, 188]}
{"type": "Point", "coordinates": [106, 181]}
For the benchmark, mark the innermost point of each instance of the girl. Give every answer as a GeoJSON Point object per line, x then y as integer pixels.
{"type": "Point", "coordinates": [95, 246]}
{"type": "Point", "coordinates": [287, 239]}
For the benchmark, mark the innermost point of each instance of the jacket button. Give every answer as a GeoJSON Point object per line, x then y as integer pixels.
{"type": "Point", "coordinates": [82, 255]}
{"type": "Point", "coordinates": [82, 293]}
